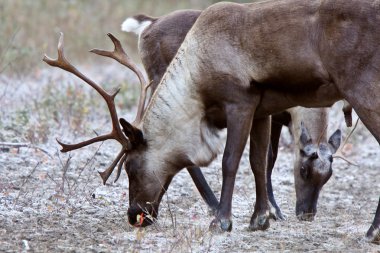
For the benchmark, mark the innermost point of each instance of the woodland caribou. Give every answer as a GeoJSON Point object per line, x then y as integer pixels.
{"type": "Point", "coordinates": [159, 40]}
{"type": "Point", "coordinates": [239, 64]}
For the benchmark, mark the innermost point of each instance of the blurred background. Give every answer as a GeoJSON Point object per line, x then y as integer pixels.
{"type": "Point", "coordinates": [37, 102]}
{"type": "Point", "coordinates": [29, 28]}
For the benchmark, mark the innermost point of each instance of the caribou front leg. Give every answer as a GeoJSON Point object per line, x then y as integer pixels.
{"type": "Point", "coordinates": [373, 234]}
{"type": "Point", "coordinates": [203, 188]}
{"type": "Point", "coordinates": [259, 143]}
{"type": "Point", "coordinates": [239, 121]}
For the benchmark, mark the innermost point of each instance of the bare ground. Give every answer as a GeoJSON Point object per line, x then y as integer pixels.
{"type": "Point", "coordinates": [57, 203]}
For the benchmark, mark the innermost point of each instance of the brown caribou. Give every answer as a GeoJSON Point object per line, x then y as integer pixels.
{"type": "Point", "coordinates": [159, 40]}
{"type": "Point", "coordinates": [239, 64]}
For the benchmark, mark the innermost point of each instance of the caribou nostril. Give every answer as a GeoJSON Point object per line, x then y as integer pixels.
{"type": "Point", "coordinates": [132, 219]}
{"type": "Point", "coordinates": [133, 216]}
{"type": "Point", "coordinates": [314, 155]}
{"type": "Point", "coordinates": [331, 158]}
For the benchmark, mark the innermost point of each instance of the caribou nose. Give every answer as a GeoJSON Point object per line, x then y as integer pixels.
{"type": "Point", "coordinates": [132, 217]}
{"type": "Point", "coordinates": [138, 218]}
{"type": "Point", "coordinates": [305, 212]}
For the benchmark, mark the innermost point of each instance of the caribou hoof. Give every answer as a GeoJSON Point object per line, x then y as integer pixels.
{"type": "Point", "coordinates": [276, 214]}
{"type": "Point", "coordinates": [259, 222]}
{"type": "Point", "coordinates": [219, 226]}
{"type": "Point", "coordinates": [373, 235]}
{"type": "Point", "coordinates": [306, 216]}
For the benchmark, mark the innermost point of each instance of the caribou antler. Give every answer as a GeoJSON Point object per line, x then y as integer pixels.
{"type": "Point", "coordinates": [109, 98]}
{"type": "Point", "coordinates": [339, 153]}
{"type": "Point", "coordinates": [119, 55]}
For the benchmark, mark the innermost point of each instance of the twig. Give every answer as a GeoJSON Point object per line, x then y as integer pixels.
{"type": "Point", "coordinates": [339, 152]}
{"type": "Point", "coordinates": [25, 181]}
{"type": "Point", "coordinates": [14, 145]}
{"type": "Point", "coordinates": [52, 179]}
{"type": "Point", "coordinates": [24, 145]}
{"type": "Point", "coordinates": [175, 244]}
{"type": "Point", "coordinates": [2, 96]}
{"type": "Point", "coordinates": [172, 217]}
{"type": "Point", "coordinates": [5, 51]}
{"type": "Point", "coordinates": [87, 163]}
{"type": "Point", "coordinates": [65, 167]}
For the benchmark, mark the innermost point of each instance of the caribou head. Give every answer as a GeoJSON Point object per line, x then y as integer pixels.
{"type": "Point", "coordinates": [312, 170]}
{"type": "Point", "coordinates": [127, 134]}
{"type": "Point", "coordinates": [149, 153]}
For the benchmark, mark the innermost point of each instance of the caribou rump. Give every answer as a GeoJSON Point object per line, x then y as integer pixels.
{"type": "Point", "coordinates": [239, 64]}
{"type": "Point", "coordinates": [158, 41]}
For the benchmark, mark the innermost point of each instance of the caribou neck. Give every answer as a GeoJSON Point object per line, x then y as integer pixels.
{"type": "Point", "coordinates": [314, 120]}
{"type": "Point", "coordinates": [174, 124]}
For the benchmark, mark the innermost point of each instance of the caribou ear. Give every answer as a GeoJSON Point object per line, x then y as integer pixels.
{"type": "Point", "coordinates": [305, 138]}
{"type": "Point", "coordinates": [134, 134]}
{"type": "Point", "coordinates": [335, 139]}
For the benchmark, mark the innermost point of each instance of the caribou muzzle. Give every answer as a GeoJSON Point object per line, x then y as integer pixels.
{"type": "Point", "coordinates": [142, 217]}
{"type": "Point", "coordinates": [306, 209]}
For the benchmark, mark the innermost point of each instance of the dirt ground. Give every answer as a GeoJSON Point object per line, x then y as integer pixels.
{"type": "Point", "coordinates": [54, 202]}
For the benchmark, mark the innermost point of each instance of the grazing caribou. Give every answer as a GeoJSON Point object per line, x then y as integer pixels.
{"type": "Point", "coordinates": [239, 64]}
{"type": "Point", "coordinates": [159, 40]}
{"type": "Point", "coordinates": [157, 48]}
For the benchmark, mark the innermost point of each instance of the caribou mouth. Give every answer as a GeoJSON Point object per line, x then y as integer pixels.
{"type": "Point", "coordinates": [140, 218]}
{"type": "Point", "coordinates": [306, 216]}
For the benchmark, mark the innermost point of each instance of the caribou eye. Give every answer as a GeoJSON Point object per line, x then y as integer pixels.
{"type": "Point", "coordinates": [331, 158]}
{"type": "Point", "coordinates": [304, 173]}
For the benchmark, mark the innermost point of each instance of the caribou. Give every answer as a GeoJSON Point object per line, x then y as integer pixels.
{"type": "Point", "coordinates": [238, 64]}
{"type": "Point", "coordinates": [159, 40]}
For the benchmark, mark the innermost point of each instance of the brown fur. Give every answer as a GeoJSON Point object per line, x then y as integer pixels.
{"type": "Point", "coordinates": [158, 44]}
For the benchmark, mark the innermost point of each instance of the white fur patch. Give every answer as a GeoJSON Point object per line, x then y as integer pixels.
{"type": "Point", "coordinates": [174, 102]}
{"type": "Point", "coordinates": [212, 145]}
{"type": "Point", "coordinates": [132, 25]}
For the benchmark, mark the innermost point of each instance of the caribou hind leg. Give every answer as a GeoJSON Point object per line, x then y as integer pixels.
{"type": "Point", "coordinates": [373, 233]}
{"type": "Point", "coordinates": [259, 143]}
{"type": "Point", "coordinates": [278, 120]}
{"type": "Point", "coordinates": [367, 105]}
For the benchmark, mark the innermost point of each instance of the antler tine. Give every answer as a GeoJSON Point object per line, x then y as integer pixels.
{"type": "Point", "coordinates": [61, 61]}
{"type": "Point", "coordinates": [122, 57]}
{"type": "Point", "coordinates": [116, 133]}
{"type": "Point", "coordinates": [120, 167]}
{"type": "Point", "coordinates": [70, 147]}
{"type": "Point", "coordinates": [107, 173]}
{"type": "Point", "coordinates": [339, 153]}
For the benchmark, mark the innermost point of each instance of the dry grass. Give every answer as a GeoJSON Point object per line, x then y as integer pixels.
{"type": "Point", "coordinates": [60, 205]}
